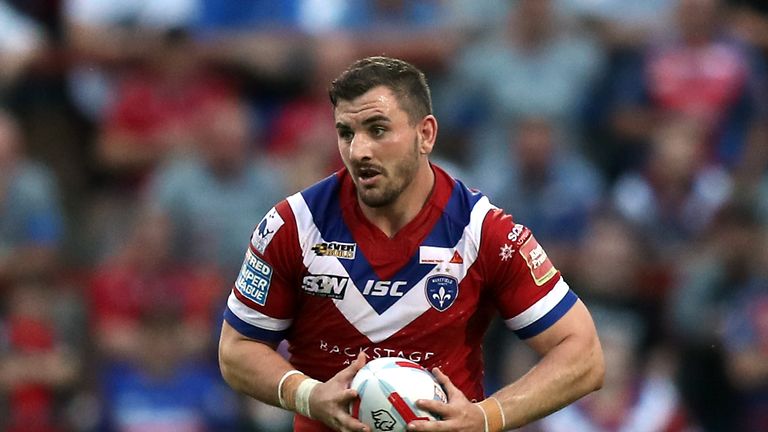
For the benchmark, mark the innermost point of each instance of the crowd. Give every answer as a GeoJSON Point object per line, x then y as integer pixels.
{"type": "Point", "coordinates": [141, 141]}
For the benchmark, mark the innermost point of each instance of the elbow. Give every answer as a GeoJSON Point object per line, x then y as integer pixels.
{"type": "Point", "coordinates": [226, 365]}
{"type": "Point", "coordinates": [596, 371]}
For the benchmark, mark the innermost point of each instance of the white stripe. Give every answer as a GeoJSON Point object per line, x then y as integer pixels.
{"type": "Point", "coordinates": [255, 318]}
{"type": "Point", "coordinates": [413, 304]}
{"type": "Point", "coordinates": [540, 308]}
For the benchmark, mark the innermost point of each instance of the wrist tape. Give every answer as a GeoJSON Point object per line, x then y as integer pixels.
{"type": "Point", "coordinates": [302, 396]}
{"type": "Point", "coordinates": [493, 415]}
{"type": "Point", "coordinates": [280, 396]}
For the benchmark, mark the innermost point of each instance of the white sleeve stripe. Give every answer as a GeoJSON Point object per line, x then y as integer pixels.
{"type": "Point", "coordinates": [256, 318]}
{"type": "Point", "coordinates": [540, 308]}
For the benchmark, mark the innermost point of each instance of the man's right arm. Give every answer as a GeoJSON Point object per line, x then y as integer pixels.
{"type": "Point", "coordinates": [256, 369]}
{"type": "Point", "coordinates": [251, 367]}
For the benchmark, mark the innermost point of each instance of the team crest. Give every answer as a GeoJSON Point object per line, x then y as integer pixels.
{"type": "Point", "coordinates": [441, 291]}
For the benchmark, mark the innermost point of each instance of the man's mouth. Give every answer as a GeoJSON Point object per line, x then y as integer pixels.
{"type": "Point", "coordinates": [368, 175]}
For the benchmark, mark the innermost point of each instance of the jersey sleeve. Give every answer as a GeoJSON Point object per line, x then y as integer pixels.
{"type": "Point", "coordinates": [528, 290]}
{"type": "Point", "coordinates": [261, 303]}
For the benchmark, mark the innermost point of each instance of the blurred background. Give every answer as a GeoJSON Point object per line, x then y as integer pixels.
{"type": "Point", "coordinates": [140, 142]}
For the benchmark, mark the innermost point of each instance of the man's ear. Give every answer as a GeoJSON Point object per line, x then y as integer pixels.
{"type": "Point", "coordinates": [428, 131]}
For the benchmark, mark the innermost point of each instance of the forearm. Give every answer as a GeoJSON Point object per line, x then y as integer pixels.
{"type": "Point", "coordinates": [571, 366]}
{"type": "Point", "coordinates": [570, 371]}
{"type": "Point", "coordinates": [251, 367]}
{"type": "Point", "coordinates": [255, 369]}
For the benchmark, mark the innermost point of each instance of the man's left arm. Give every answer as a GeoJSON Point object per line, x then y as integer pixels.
{"type": "Point", "coordinates": [570, 367]}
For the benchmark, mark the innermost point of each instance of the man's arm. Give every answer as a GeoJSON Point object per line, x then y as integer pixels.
{"type": "Point", "coordinates": [571, 367]}
{"type": "Point", "coordinates": [254, 368]}
{"type": "Point", "coordinates": [250, 366]}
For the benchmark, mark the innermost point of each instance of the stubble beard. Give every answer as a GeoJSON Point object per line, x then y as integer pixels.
{"type": "Point", "coordinates": [394, 181]}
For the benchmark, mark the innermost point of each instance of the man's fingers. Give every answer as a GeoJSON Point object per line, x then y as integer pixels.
{"type": "Point", "coordinates": [349, 372]}
{"type": "Point", "coordinates": [348, 396]}
{"type": "Point", "coordinates": [451, 390]}
{"type": "Point", "coordinates": [349, 423]}
{"type": "Point", "coordinates": [434, 407]}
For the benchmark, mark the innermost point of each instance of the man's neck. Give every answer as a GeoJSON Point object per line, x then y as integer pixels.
{"type": "Point", "coordinates": [392, 218]}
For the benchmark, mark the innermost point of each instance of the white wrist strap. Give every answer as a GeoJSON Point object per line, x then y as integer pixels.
{"type": "Point", "coordinates": [485, 418]}
{"type": "Point", "coordinates": [280, 387]}
{"type": "Point", "coordinates": [493, 415]}
{"type": "Point", "coordinates": [302, 396]}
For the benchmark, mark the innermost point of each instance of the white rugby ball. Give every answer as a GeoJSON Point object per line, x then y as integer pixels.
{"type": "Point", "coordinates": [388, 389]}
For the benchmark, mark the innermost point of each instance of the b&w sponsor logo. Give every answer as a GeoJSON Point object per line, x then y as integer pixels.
{"type": "Point", "coordinates": [328, 286]}
{"type": "Point", "coordinates": [514, 235]}
{"type": "Point", "coordinates": [350, 353]}
{"type": "Point", "coordinates": [379, 288]}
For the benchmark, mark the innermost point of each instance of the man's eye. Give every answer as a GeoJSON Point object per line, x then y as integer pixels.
{"type": "Point", "coordinates": [378, 131]}
{"type": "Point", "coordinates": [346, 135]}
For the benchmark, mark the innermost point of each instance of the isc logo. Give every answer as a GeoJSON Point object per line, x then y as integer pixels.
{"type": "Point", "coordinates": [330, 286]}
{"type": "Point", "coordinates": [384, 288]}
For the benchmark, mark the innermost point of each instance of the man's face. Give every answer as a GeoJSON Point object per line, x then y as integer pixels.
{"type": "Point", "coordinates": [378, 145]}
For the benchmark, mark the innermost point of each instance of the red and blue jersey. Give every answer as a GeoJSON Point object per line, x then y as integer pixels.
{"type": "Point", "coordinates": [321, 276]}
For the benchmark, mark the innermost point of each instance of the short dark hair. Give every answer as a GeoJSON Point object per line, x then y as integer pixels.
{"type": "Point", "coordinates": [405, 80]}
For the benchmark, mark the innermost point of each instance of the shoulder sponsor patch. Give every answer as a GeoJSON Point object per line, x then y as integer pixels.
{"type": "Point", "coordinates": [266, 229]}
{"type": "Point", "coordinates": [538, 262]}
{"type": "Point", "coordinates": [335, 249]}
{"type": "Point", "coordinates": [254, 279]}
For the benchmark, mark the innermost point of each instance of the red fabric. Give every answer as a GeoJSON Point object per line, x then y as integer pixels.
{"type": "Point", "coordinates": [146, 105]}
{"type": "Point", "coordinates": [31, 404]}
{"type": "Point", "coordinates": [121, 293]}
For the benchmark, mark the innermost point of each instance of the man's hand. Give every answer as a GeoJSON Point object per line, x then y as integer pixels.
{"type": "Point", "coordinates": [459, 414]}
{"type": "Point", "coordinates": [329, 401]}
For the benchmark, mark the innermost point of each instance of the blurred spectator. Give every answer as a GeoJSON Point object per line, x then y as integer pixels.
{"type": "Point", "coordinates": [302, 137]}
{"type": "Point", "coordinates": [534, 67]}
{"type": "Point", "coordinates": [156, 108]}
{"type": "Point", "coordinates": [31, 225]}
{"type": "Point", "coordinates": [21, 42]}
{"type": "Point", "coordinates": [745, 337]}
{"type": "Point", "coordinates": [163, 389]}
{"type": "Point", "coordinates": [699, 72]}
{"type": "Point", "coordinates": [36, 364]}
{"type": "Point", "coordinates": [546, 186]}
{"type": "Point", "coordinates": [710, 277]}
{"type": "Point", "coordinates": [106, 36]}
{"type": "Point", "coordinates": [617, 267]}
{"type": "Point", "coordinates": [217, 195]}
{"type": "Point", "coordinates": [750, 21]}
{"type": "Point", "coordinates": [420, 31]}
{"type": "Point", "coordinates": [674, 196]}
{"type": "Point", "coordinates": [637, 395]}
{"type": "Point", "coordinates": [144, 275]}
{"type": "Point", "coordinates": [621, 23]}
{"type": "Point", "coordinates": [264, 39]}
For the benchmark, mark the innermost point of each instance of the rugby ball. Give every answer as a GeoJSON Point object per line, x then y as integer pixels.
{"type": "Point", "coordinates": [388, 389]}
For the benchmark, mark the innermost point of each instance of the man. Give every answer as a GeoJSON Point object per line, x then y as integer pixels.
{"type": "Point", "coordinates": [393, 257]}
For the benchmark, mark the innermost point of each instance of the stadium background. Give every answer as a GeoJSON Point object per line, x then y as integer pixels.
{"type": "Point", "coordinates": [141, 141]}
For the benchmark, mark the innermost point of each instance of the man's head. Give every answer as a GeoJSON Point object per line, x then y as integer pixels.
{"type": "Point", "coordinates": [405, 81]}
{"type": "Point", "coordinates": [385, 129]}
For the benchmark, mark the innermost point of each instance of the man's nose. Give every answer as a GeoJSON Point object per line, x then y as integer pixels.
{"type": "Point", "coordinates": [360, 148]}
